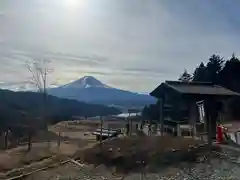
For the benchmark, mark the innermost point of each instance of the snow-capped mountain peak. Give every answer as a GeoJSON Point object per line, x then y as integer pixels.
{"type": "Point", "coordinates": [86, 82]}
{"type": "Point", "coordinates": [88, 89]}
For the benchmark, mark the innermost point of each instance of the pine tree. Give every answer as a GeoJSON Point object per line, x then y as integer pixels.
{"type": "Point", "coordinates": [214, 67]}
{"type": "Point", "coordinates": [200, 73]}
{"type": "Point", "coordinates": [185, 77]}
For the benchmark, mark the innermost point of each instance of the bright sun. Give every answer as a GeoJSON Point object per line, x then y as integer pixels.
{"type": "Point", "coordinates": [73, 6]}
{"type": "Point", "coordinates": [72, 3]}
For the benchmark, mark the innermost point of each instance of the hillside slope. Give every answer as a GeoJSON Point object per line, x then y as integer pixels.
{"type": "Point", "coordinates": [12, 104]}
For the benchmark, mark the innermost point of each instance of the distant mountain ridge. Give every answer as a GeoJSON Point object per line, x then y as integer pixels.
{"type": "Point", "coordinates": [13, 104]}
{"type": "Point", "coordinates": [91, 90]}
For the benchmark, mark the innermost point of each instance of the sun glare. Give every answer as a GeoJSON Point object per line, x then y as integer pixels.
{"type": "Point", "coordinates": [73, 3]}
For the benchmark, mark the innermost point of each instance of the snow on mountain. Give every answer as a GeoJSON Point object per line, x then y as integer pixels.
{"type": "Point", "coordinates": [91, 90]}
{"type": "Point", "coordinates": [85, 82]}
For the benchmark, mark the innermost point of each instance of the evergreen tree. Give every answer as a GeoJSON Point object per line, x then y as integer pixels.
{"type": "Point", "coordinates": [185, 77]}
{"type": "Point", "coordinates": [234, 58]}
{"type": "Point", "coordinates": [210, 72]}
{"type": "Point", "coordinates": [214, 67]}
{"type": "Point", "coordinates": [226, 74]}
{"type": "Point", "coordinates": [230, 74]}
{"type": "Point", "coordinates": [200, 73]}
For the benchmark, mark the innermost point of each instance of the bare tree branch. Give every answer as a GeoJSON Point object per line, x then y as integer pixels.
{"type": "Point", "coordinates": [39, 70]}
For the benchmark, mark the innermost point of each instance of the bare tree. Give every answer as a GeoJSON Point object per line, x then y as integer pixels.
{"type": "Point", "coordinates": [40, 69]}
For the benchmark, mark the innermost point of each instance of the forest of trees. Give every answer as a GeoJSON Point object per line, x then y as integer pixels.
{"type": "Point", "coordinates": [16, 107]}
{"type": "Point", "coordinates": [220, 71]}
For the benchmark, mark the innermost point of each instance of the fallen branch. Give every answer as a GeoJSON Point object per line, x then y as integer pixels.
{"type": "Point", "coordinates": [77, 163]}
{"type": "Point", "coordinates": [26, 166]}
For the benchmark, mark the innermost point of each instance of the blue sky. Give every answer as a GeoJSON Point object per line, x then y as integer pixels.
{"type": "Point", "coordinates": [133, 45]}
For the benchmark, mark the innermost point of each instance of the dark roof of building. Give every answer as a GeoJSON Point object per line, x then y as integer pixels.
{"type": "Point", "coordinates": [193, 88]}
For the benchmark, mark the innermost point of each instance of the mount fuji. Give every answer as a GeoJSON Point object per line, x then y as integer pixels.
{"type": "Point", "coordinates": [91, 90]}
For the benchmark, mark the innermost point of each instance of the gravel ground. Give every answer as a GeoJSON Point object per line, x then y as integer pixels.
{"type": "Point", "coordinates": [215, 170]}
{"type": "Point", "coordinates": [222, 167]}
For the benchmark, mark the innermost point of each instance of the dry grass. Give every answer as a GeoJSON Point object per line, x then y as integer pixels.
{"type": "Point", "coordinates": [130, 154]}
{"type": "Point", "coordinates": [20, 157]}
{"type": "Point", "coordinates": [73, 138]}
{"type": "Point", "coordinates": [16, 161]}
{"type": "Point", "coordinates": [42, 149]}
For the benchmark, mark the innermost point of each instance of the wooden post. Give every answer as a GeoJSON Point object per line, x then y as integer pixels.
{"type": "Point", "coordinates": [179, 132]}
{"type": "Point", "coordinates": [209, 131]}
{"type": "Point", "coordinates": [194, 130]}
{"type": "Point", "coordinates": [29, 139]}
{"type": "Point", "coordinates": [209, 113]}
{"type": "Point", "coordinates": [161, 116]}
{"type": "Point", "coordinates": [59, 141]}
{"type": "Point", "coordinates": [108, 131]}
{"type": "Point", "coordinates": [127, 127]}
{"type": "Point", "coordinates": [149, 127]}
{"type": "Point", "coordinates": [236, 137]}
{"type": "Point", "coordinates": [194, 119]}
{"type": "Point", "coordinates": [6, 139]}
{"type": "Point", "coordinates": [130, 125]}
{"type": "Point", "coordinates": [101, 125]}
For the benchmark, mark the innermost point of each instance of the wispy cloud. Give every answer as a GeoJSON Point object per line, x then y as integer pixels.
{"type": "Point", "coordinates": [129, 44]}
{"type": "Point", "coordinates": [150, 70]}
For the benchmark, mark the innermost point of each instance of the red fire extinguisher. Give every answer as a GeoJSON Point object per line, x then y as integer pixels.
{"type": "Point", "coordinates": [219, 137]}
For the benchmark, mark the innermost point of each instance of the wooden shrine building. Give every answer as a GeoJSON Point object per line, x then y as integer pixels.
{"type": "Point", "coordinates": [178, 104]}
